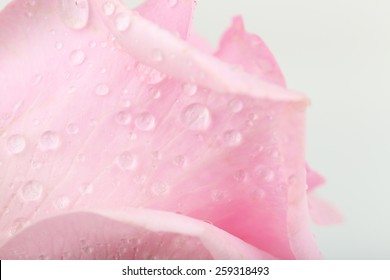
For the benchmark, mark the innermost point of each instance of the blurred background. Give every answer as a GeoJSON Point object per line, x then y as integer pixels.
{"type": "Point", "coordinates": [338, 53]}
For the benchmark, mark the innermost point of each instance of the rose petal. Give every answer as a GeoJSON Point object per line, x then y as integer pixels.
{"type": "Point", "coordinates": [249, 52]}
{"type": "Point", "coordinates": [134, 234]}
{"type": "Point", "coordinates": [173, 15]}
{"type": "Point", "coordinates": [146, 122]}
{"type": "Point", "coordinates": [322, 212]}
{"type": "Point", "coordinates": [313, 179]}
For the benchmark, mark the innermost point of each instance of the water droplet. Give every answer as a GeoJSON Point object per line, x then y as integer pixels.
{"type": "Point", "coordinates": [86, 189]}
{"type": "Point", "coordinates": [109, 8]}
{"type": "Point", "coordinates": [76, 57]}
{"type": "Point", "coordinates": [49, 140]}
{"type": "Point", "coordinates": [266, 174]}
{"type": "Point", "coordinates": [160, 188]}
{"type": "Point", "coordinates": [16, 144]}
{"type": "Point", "coordinates": [102, 90]}
{"type": "Point", "coordinates": [239, 175]}
{"type": "Point", "coordinates": [36, 164]}
{"type": "Point", "coordinates": [190, 89]}
{"type": "Point", "coordinates": [59, 45]}
{"type": "Point", "coordinates": [75, 14]}
{"type": "Point", "coordinates": [179, 161]}
{"type": "Point", "coordinates": [232, 138]}
{"type": "Point", "coordinates": [92, 44]}
{"type": "Point", "coordinates": [123, 117]}
{"type": "Point", "coordinates": [72, 129]}
{"type": "Point", "coordinates": [149, 75]}
{"type": "Point", "coordinates": [62, 202]}
{"type": "Point", "coordinates": [157, 55]}
{"type": "Point", "coordinates": [217, 195]}
{"type": "Point", "coordinates": [127, 161]}
{"type": "Point", "coordinates": [122, 22]}
{"type": "Point", "coordinates": [236, 105]}
{"type": "Point", "coordinates": [32, 191]}
{"type": "Point", "coordinates": [155, 93]}
{"type": "Point", "coordinates": [17, 225]}
{"type": "Point", "coordinates": [145, 121]}
{"type": "Point", "coordinates": [172, 3]}
{"type": "Point", "coordinates": [196, 117]}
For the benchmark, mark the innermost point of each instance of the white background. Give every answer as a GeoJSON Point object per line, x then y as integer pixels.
{"type": "Point", "coordinates": [338, 53]}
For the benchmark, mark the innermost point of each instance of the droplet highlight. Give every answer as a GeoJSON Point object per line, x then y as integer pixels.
{"type": "Point", "coordinates": [232, 138]}
{"type": "Point", "coordinates": [76, 57]}
{"type": "Point", "coordinates": [32, 191]}
{"type": "Point", "coordinates": [49, 141]}
{"type": "Point", "coordinates": [145, 121]}
{"type": "Point", "coordinates": [102, 90]}
{"type": "Point", "coordinates": [122, 22]}
{"type": "Point", "coordinates": [127, 161]}
{"type": "Point", "coordinates": [196, 117]}
{"type": "Point", "coordinates": [109, 8]}
{"type": "Point", "coordinates": [75, 14]}
{"type": "Point", "coordinates": [16, 144]}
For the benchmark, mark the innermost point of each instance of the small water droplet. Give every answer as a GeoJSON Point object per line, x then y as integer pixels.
{"type": "Point", "coordinates": [155, 93]}
{"type": "Point", "coordinates": [76, 57]}
{"type": "Point", "coordinates": [179, 161]}
{"type": "Point", "coordinates": [217, 195]}
{"type": "Point", "coordinates": [149, 75]}
{"type": "Point", "coordinates": [86, 189]}
{"type": "Point", "coordinates": [239, 175]}
{"type": "Point", "coordinates": [172, 3]}
{"type": "Point", "coordinates": [17, 225]}
{"type": "Point", "coordinates": [236, 105]}
{"type": "Point", "coordinates": [32, 191]}
{"type": "Point", "coordinates": [160, 188]}
{"type": "Point", "coordinates": [266, 174]}
{"type": "Point", "coordinates": [92, 44]}
{"type": "Point", "coordinates": [190, 89]}
{"type": "Point", "coordinates": [102, 90]}
{"type": "Point", "coordinates": [49, 140]}
{"type": "Point", "coordinates": [109, 8]}
{"type": "Point", "coordinates": [16, 144]}
{"type": "Point", "coordinates": [72, 129]}
{"type": "Point", "coordinates": [157, 55]}
{"type": "Point", "coordinates": [62, 202]}
{"type": "Point", "coordinates": [127, 161]}
{"type": "Point", "coordinates": [123, 118]}
{"type": "Point", "coordinates": [122, 22]}
{"type": "Point", "coordinates": [232, 138]}
{"type": "Point", "coordinates": [75, 14]}
{"type": "Point", "coordinates": [145, 121]}
{"type": "Point", "coordinates": [59, 45]}
{"type": "Point", "coordinates": [196, 117]}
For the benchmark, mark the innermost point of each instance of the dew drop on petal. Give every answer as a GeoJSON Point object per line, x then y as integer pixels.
{"type": "Point", "coordinates": [62, 202]}
{"type": "Point", "coordinates": [179, 161]}
{"type": "Point", "coordinates": [16, 144]}
{"type": "Point", "coordinates": [232, 138]}
{"type": "Point", "coordinates": [72, 129]}
{"type": "Point", "coordinates": [123, 117]}
{"type": "Point", "coordinates": [239, 175]}
{"type": "Point", "coordinates": [196, 117]}
{"type": "Point", "coordinates": [109, 8]}
{"type": "Point", "coordinates": [127, 161]}
{"type": "Point", "coordinates": [236, 105]}
{"type": "Point", "coordinates": [190, 89]}
{"type": "Point", "coordinates": [157, 55]}
{"type": "Point", "coordinates": [75, 14]}
{"type": "Point", "coordinates": [122, 22]}
{"type": "Point", "coordinates": [159, 188]}
{"type": "Point", "coordinates": [76, 57]}
{"type": "Point", "coordinates": [155, 93]}
{"type": "Point", "coordinates": [102, 90]}
{"type": "Point", "coordinates": [59, 45]}
{"type": "Point", "coordinates": [32, 191]}
{"type": "Point", "coordinates": [49, 140]}
{"type": "Point", "coordinates": [145, 121]}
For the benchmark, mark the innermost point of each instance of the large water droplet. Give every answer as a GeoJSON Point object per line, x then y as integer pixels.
{"type": "Point", "coordinates": [145, 121]}
{"type": "Point", "coordinates": [160, 188]}
{"type": "Point", "coordinates": [75, 14]}
{"type": "Point", "coordinates": [236, 105]}
{"type": "Point", "coordinates": [127, 161]}
{"type": "Point", "coordinates": [122, 22]}
{"type": "Point", "coordinates": [196, 117]}
{"type": "Point", "coordinates": [102, 90]}
{"type": "Point", "coordinates": [123, 117]}
{"type": "Point", "coordinates": [109, 8]}
{"type": "Point", "coordinates": [76, 57]}
{"type": "Point", "coordinates": [232, 138]}
{"type": "Point", "coordinates": [32, 191]}
{"type": "Point", "coordinates": [49, 140]}
{"type": "Point", "coordinates": [16, 144]}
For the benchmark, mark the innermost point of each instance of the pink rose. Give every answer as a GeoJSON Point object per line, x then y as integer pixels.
{"type": "Point", "coordinates": [123, 137]}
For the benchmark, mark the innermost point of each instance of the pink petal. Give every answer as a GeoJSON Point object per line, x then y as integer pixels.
{"type": "Point", "coordinates": [120, 113]}
{"type": "Point", "coordinates": [134, 234]}
{"type": "Point", "coordinates": [173, 15]}
{"type": "Point", "coordinates": [249, 52]}
{"type": "Point", "coordinates": [313, 179]}
{"type": "Point", "coordinates": [322, 212]}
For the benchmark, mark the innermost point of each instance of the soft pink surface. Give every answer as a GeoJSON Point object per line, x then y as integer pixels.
{"type": "Point", "coordinates": [116, 113]}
